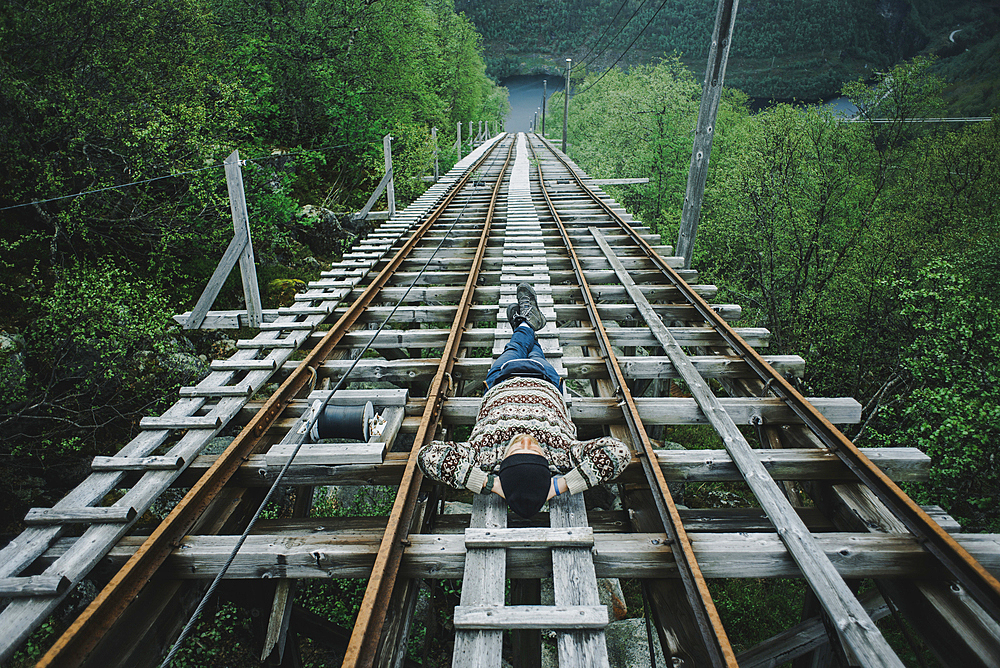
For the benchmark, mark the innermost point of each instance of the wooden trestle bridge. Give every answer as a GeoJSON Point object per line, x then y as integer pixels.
{"type": "Point", "coordinates": [625, 324]}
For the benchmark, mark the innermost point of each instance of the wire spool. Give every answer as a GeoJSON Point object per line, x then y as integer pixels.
{"type": "Point", "coordinates": [348, 422]}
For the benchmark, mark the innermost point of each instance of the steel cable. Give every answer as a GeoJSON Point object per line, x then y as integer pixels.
{"type": "Point", "coordinates": [479, 178]}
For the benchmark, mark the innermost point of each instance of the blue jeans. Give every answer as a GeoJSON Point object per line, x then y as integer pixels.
{"type": "Point", "coordinates": [522, 356]}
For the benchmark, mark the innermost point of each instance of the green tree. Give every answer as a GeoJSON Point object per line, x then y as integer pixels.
{"type": "Point", "coordinates": [948, 401]}
{"type": "Point", "coordinates": [636, 125]}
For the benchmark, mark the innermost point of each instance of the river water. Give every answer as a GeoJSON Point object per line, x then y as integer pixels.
{"type": "Point", "coordinates": [526, 99]}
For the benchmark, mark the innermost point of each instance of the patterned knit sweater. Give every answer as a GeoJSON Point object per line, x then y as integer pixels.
{"type": "Point", "coordinates": [524, 405]}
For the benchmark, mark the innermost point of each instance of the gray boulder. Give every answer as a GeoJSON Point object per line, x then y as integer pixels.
{"type": "Point", "coordinates": [13, 372]}
{"type": "Point", "coordinates": [628, 644]}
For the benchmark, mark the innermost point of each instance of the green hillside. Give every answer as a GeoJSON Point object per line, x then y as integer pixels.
{"type": "Point", "coordinates": [783, 49]}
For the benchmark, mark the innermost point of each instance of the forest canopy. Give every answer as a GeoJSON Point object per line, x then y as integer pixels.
{"type": "Point", "coordinates": [870, 248]}
{"type": "Point", "coordinates": [136, 103]}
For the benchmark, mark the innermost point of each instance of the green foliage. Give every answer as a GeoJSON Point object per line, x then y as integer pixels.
{"type": "Point", "coordinates": [868, 248]}
{"type": "Point", "coordinates": [90, 352]}
{"type": "Point", "coordinates": [634, 125]}
{"type": "Point", "coordinates": [754, 610]}
{"type": "Point", "coordinates": [221, 637]}
{"type": "Point", "coordinates": [949, 406]}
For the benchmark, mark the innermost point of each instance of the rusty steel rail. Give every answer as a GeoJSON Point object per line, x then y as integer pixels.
{"type": "Point", "coordinates": [709, 624]}
{"type": "Point", "coordinates": [365, 637]}
{"type": "Point", "coordinates": [980, 583]}
{"type": "Point", "coordinates": [72, 648]}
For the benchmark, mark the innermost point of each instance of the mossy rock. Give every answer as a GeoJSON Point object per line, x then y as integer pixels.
{"type": "Point", "coordinates": [282, 291]}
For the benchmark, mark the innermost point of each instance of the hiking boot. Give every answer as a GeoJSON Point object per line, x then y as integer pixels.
{"type": "Point", "coordinates": [513, 317]}
{"type": "Point", "coordinates": [527, 307]}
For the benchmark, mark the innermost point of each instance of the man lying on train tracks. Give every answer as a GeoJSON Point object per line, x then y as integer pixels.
{"type": "Point", "coordinates": [523, 445]}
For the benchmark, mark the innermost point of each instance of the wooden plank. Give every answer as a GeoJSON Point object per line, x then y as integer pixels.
{"type": "Point", "coordinates": [242, 390]}
{"type": "Point", "coordinates": [475, 369]}
{"type": "Point", "coordinates": [350, 554]}
{"type": "Point", "coordinates": [529, 537]}
{"type": "Point", "coordinates": [676, 410]}
{"type": "Point", "coordinates": [378, 397]}
{"type": "Point", "coordinates": [255, 344]}
{"type": "Point", "coordinates": [241, 226]}
{"type": "Point", "coordinates": [244, 365]}
{"type": "Point", "coordinates": [617, 182]}
{"type": "Point", "coordinates": [189, 422]}
{"type": "Point", "coordinates": [328, 454]}
{"type": "Point", "coordinates": [531, 617]}
{"type": "Point", "coordinates": [90, 515]}
{"type": "Point", "coordinates": [564, 311]}
{"type": "Point", "coordinates": [281, 326]}
{"type": "Point", "coordinates": [857, 631]}
{"type": "Point", "coordinates": [33, 585]}
{"type": "Point", "coordinates": [483, 583]}
{"type": "Point", "coordinates": [574, 583]}
{"type": "Point", "coordinates": [136, 463]}
{"type": "Point", "coordinates": [677, 465]}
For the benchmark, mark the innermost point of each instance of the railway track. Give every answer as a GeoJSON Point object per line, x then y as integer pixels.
{"type": "Point", "coordinates": [626, 323]}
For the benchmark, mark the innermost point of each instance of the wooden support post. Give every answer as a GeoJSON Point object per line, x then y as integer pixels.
{"type": "Point", "coordinates": [241, 226]}
{"type": "Point", "coordinates": [240, 249]}
{"type": "Point", "coordinates": [711, 94]}
{"type": "Point", "coordinates": [569, 67]}
{"type": "Point", "coordinates": [472, 140]}
{"type": "Point", "coordinates": [458, 140]}
{"type": "Point", "coordinates": [434, 138]}
{"type": "Point", "coordinates": [284, 591]}
{"type": "Point", "coordinates": [390, 188]}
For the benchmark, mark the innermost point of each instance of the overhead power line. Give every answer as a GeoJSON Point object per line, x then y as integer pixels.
{"type": "Point", "coordinates": [639, 34]}
{"type": "Point", "coordinates": [604, 32]}
{"type": "Point", "coordinates": [612, 40]}
{"type": "Point", "coordinates": [171, 176]}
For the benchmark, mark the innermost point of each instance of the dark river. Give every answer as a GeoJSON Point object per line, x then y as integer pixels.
{"type": "Point", "coordinates": [526, 99]}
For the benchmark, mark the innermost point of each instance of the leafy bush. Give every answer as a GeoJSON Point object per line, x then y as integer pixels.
{"type": "Point", "coordinates": [949, 401]}
{"type": "Point", "coordinates": [96, 356]}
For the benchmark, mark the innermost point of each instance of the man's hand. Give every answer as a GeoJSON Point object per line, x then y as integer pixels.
{"type": "Point", "coordinates": [561, 482]}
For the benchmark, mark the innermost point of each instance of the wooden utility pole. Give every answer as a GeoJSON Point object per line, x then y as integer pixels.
{"type": "Point", "coordinates": [545, 89]}
{"type": "Point", "coordinates": [434, 138]}
{"type": "Point", "coordinates": [390, 189]}
{"type": "Point", "coordinates": [725, 19]}
{"type": "Point", "coordinates": [569, 66]}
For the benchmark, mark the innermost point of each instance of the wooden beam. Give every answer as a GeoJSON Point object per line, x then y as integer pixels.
{"type": "Point", "coordinates": [901, 464]}
{"type": "Point", "coordinates": [506, 617]}
{"type": "Point", "coordinates": [858, 633]}
{"type": "Point", "coordinates": [350, 554]}
{"type": "Point", "coordinates": [803, 638]}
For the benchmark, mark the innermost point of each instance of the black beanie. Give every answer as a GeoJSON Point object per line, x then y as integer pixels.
{"type": "Point", "coordinates": [525, 480]}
